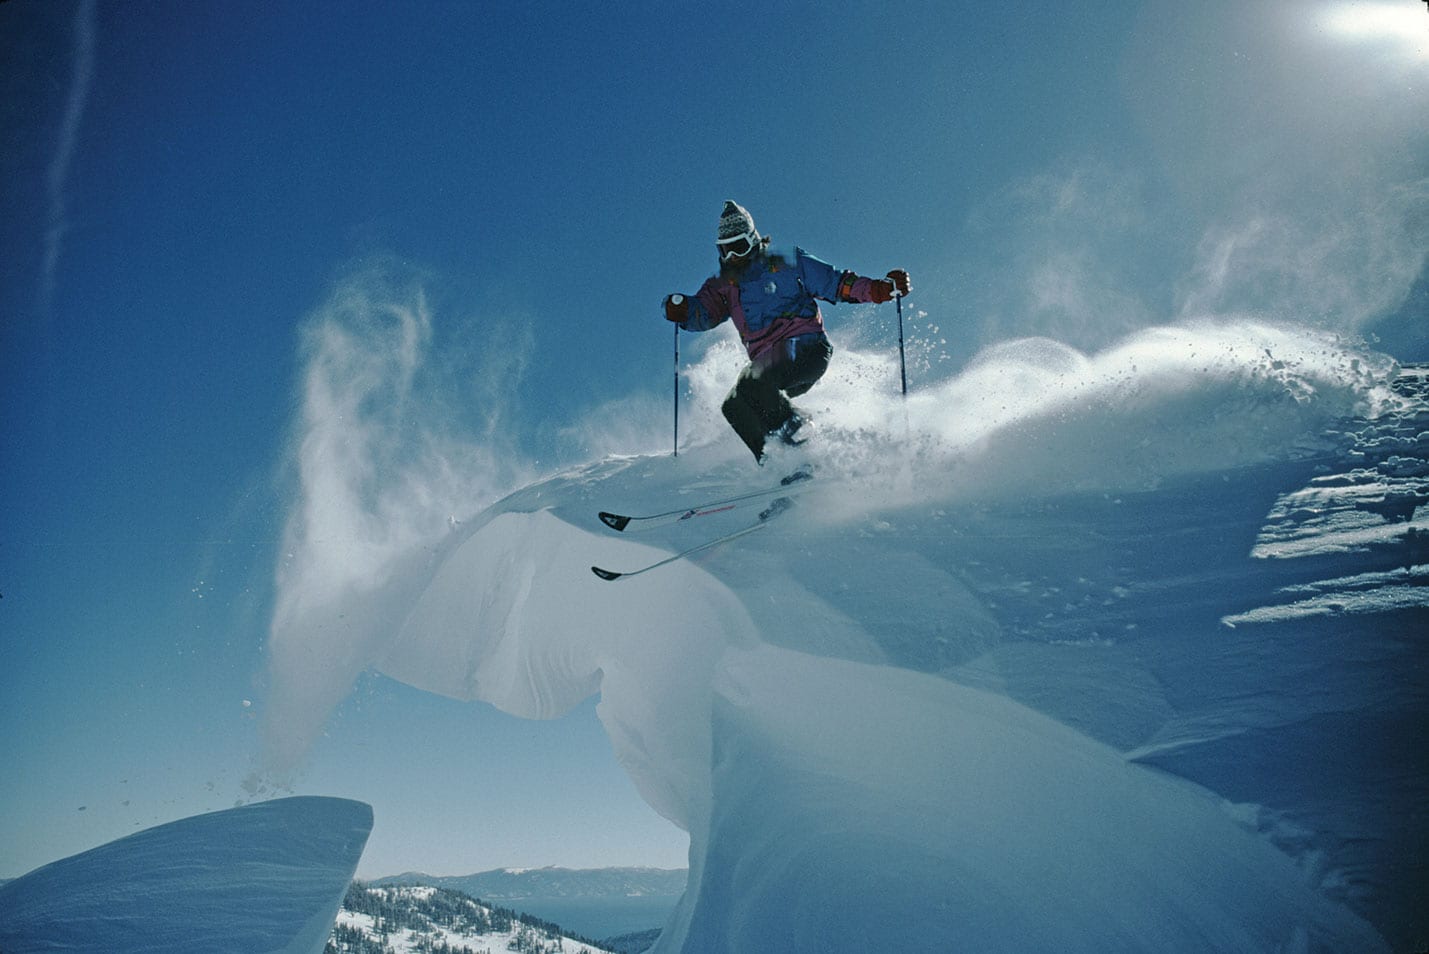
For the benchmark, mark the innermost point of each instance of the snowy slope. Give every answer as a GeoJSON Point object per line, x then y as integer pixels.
{"type": "Point", "coordinates": [1053, 657]}
{"type": "Point", "coordinates": [412, 919]}
{"type": "Point", "coordinates": [253, 880]}
{"type": "Point", "coordinates": [598, 903]}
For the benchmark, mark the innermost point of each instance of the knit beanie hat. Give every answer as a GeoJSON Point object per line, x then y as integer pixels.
{"type": "Point", "coordinates": [734, 221]}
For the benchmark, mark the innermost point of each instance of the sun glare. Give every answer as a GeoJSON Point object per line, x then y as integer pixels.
{"type": "Point", "coordinates": [1404, 23]}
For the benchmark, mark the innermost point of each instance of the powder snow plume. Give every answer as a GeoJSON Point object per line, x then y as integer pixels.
{"type": "Point", "coordinates": [1035, 417]}
{"type": "Point", "coordinates": [389, 446]}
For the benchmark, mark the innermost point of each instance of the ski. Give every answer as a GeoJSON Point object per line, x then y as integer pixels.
{"type": "Point", "coordinates": [777, 506]}
{"type": "Point", "coordinates": [796, 482]}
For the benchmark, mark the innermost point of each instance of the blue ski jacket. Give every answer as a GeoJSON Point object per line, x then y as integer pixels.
{"type": "Point", "coordinates": [772, 299]}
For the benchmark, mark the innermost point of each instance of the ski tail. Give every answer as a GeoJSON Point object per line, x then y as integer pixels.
{"type": "Point", "coordinates": [775, 508]}
{"type": "Point", "coordinates": [797, 482]}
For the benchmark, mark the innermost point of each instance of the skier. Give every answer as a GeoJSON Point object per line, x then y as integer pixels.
{"type": "Point", "coordinates": [772, 302]}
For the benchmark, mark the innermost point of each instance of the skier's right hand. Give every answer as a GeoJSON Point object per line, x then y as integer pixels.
{"type": "Point", "coordinates": [677, 308]}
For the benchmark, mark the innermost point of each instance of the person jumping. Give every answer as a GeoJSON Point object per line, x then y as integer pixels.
{"type": "Point", "coordinates": [772, 301]}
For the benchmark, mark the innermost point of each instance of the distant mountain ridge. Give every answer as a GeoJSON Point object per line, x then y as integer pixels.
{"type": "Point", "coordinates": [515, 884]}
{"type": "Point", "coordinates": [596, 902]}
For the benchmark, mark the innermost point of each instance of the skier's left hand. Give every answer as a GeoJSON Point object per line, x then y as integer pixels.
{"type": "Point", "coordinates": [902, 285]}
{"type": "Point", "coordinates": [885, 289]}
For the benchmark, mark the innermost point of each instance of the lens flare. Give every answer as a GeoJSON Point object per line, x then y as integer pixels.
{"type": "Point", "coordinates": [1404, 24]}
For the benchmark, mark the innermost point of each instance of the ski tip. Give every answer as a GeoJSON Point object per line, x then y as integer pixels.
{"type": "Point", "coordinates": [606, 574]}
{"type": "Point", "coordinates": [614, 521]}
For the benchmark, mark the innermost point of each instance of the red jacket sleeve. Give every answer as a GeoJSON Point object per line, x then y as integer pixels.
{"type": "Point", "coordinates": [709, 307]}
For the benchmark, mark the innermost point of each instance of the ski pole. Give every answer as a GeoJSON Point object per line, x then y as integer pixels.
{"type": "Point", "coordinates": [902, 361]}
{"type": "Point", "coordinates": [677, 392]}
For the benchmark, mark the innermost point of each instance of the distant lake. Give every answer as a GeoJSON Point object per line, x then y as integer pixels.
{"type": "Point", "coordinates": [600, 918]}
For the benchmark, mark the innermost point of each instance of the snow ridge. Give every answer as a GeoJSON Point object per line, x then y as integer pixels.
{"type": "Point", "coordinates": [1001, 675]}
{"type": "Point", "coordinates": [261, 879]}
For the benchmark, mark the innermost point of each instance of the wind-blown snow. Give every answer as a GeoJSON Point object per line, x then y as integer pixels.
{"type": "Point", "coordinates": [1023, 671]}
{"type": "Point", "coordinates": [261, 879]}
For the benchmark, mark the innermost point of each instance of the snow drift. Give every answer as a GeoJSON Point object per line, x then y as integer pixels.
{"type": "Point", "coordinates": [1022, 671]}
{"type": "Point", "coordinates": [262, 879]}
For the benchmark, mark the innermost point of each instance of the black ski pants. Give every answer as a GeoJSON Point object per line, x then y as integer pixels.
{"type": "Point", "coordinates": [759, 404]}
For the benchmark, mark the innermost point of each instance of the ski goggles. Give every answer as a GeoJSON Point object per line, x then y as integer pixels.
{"type": "Point", "coordinates": [738, 246]}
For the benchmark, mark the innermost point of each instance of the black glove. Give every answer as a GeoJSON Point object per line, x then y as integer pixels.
{"type": "Point", "coordinates": [677, 308]}
{"type": "Point", "coordinates": [900, 281]}
{"type": "Point", "coordinates": [884, 289]}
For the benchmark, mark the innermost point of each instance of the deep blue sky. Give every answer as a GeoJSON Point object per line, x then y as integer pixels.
{"type": "Point", "coordinates": [184, 183]}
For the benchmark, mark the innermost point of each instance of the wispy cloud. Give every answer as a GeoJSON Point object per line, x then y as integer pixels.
{"type": "Point", "coordinates": [1056, 255]}
{"type": "Point", "coordinates": [1295, 154]}
{"type": "Point", "coordinates": [57, 175]}
{"type": "Point", "coordinates": [1335, 264]}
